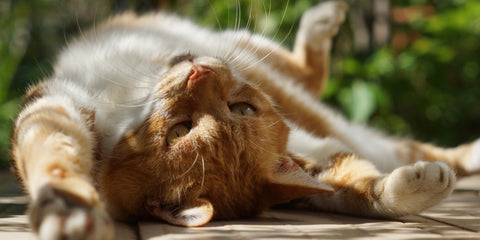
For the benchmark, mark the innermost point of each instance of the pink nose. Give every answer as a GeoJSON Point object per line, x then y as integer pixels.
{"type": "Point", "coordinates": [198, 74]}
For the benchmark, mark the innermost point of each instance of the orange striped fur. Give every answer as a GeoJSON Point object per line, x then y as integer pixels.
{"type": "Point", "coordinates": [153, 117]}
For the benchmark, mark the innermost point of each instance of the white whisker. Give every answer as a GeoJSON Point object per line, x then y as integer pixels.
{"type": "Point", "coordinates": [261, 148]}
{"type": "Point", "coordinates": [140, 102]}
{"type": "Point", "coordinates": [129, 69]}
{"type": "Point", "coordinates": [274, 123]}
{"type": "Point", "coordinates": [267, 14]}
{"type": "Point", "coordinates": [281, 22]}
{"type": "Point", "coordinates": [203, 172]}
{"type": "Point", "coordinates": [243, 36]}
{"type": "Point", "coordinates": [277, 46]}
{"type": "Point", "coordinates": [217, 18]}
{"type": "Point", "coordinates": [190, 168]}
{"type": "Point", "coordinates": [255, 49]}
{"type": "Point", "coordinates": [238, 15]}
{"type": "Point", "coordinates": [79, 27]}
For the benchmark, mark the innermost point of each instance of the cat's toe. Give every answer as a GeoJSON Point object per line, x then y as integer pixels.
{"type": "Point", "coordinates": [57, 215]}
{"type": "Point", "coordinates": [422, 177]}
{"type": "Point", "coordinates": [438, 177]}
{"type": "Point", "coordinates": [411, 189]}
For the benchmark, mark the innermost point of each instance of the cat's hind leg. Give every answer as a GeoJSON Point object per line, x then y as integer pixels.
{"type": "Point", "coordinates": [52, 147]}
{"type": "Point", "coordinates": [360, 189]}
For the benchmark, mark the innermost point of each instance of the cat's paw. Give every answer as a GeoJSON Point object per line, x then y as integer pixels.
{"type": "Point", "coordinates": [321, 23]}
{"type": "Point", "coordinates": [58, 215]}
{"type": "Point", "coordinates": [412, 189]}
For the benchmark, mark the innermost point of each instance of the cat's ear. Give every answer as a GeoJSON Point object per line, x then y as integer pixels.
{"type": "Point", "coordinates": [193, 214]}
{"type": "Point", "coordinates": [289, 181]}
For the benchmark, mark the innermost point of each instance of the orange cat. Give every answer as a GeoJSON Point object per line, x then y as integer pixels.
{"type": "Point", "coordinates": [152, 117]}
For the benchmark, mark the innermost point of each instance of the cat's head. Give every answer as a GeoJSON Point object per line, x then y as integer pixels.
{"type": "Point", "coordinates": [214, 146]}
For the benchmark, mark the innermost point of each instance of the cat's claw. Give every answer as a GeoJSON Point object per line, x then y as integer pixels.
{"type": "Point", "coordinates": [56, 215]}
{"type": "Point", "coordinates": [412, 189]}
{"type": "Point", "coordinates": [321, 23]}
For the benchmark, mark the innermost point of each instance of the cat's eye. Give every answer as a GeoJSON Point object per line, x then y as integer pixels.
{"type": "Point", "coordinates": [177, 132]}
{"type": "Point", "coordinates": [243, 109]}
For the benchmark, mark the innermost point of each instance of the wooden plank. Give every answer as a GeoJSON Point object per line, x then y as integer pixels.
{"type": "Point", "coordinates": [287, 224]}
{"type": "Point", "coordinates": [460, 209]}
{"type": "Point", "coordinates": [458, 217]}
{"type": "Point", "coordinates": [447, 231]}
{"type": "Point", "coordinates": [124, 231]}
{"type": "Point", "coordinates": [13, 222]}
{"type": "Point", "coordinates": [291, 224]}
{"type": "Point", "coordinates": [160, 231]}
{"type": "Point", "coordinates": [15, 227]}
{"type": "Point", "coordinates": [365, 228]}
{"type": "Point", "coordinates": [14, 200]}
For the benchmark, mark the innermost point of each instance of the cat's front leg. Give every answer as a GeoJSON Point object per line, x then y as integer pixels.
{"type": "Point", "coordinates": [57, 213]}
{"type": "Point", "coordinates": [318, 26]}
{"type": "Point", "coordinates": [52, 146]}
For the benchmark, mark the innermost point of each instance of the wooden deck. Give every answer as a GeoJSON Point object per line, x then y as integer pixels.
{"type": "Point", "coordinates": [458, 217]}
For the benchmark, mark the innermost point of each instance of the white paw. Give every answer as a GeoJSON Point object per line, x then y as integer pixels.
{"type": "Point", "coordinates": [321, 23]}
{"type": "Point", "coordinates": [412, 189]}
{"type": "Point", "coordinates": [58, 215]}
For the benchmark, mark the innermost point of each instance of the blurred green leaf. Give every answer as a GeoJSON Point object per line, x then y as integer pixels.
{"type": "Point", "coordinates": [358, 101]}
{"type": "Point", "coordinates": [331, 88]}
{"type": "Point", "coordinates": [14, 38]}
{"type": "Point", "coordinates": [381, 63]}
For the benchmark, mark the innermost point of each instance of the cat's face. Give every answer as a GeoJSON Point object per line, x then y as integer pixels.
{"type": "Point", "coordinates": [213, 146]}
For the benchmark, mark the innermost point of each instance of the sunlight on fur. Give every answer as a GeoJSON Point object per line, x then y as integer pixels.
{"type": "Point", "coordinates": [154, 118]}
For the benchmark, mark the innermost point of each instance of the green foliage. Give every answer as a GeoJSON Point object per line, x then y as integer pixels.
{"type": "Point", "coordinates": [429, 89]}
{"type": "Point", "coordinates": [274, 19]}
{"type": "Point", "coordinates": [13, 41]}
